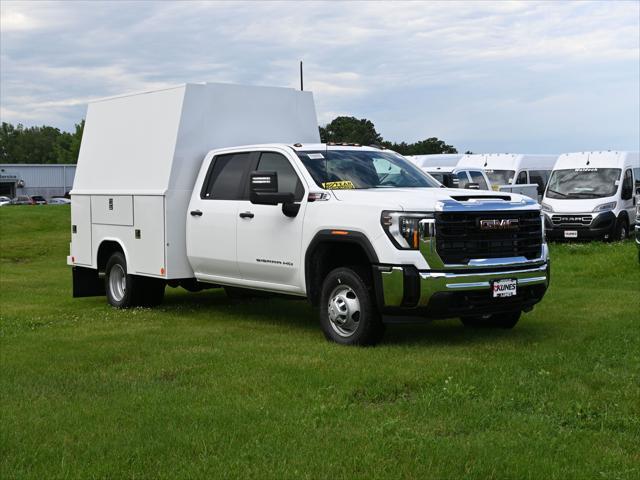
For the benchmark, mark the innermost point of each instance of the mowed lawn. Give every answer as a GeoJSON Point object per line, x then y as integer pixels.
{"type": "Point", "coordinates": [203, 387]}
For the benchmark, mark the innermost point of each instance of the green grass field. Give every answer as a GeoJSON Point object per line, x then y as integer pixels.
{"type": "Point", "coordinates": [203, 387]}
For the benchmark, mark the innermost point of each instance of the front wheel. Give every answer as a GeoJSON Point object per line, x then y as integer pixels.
{"type": "Point", "coordinates": [348, 313]}
{"type": "Point", "coordinates": [497, 320]}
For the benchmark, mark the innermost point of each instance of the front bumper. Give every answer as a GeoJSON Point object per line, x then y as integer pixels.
{"type": "Point", "coordinates": [600, 226]}
{"type": "Point", "coordinates": [404, 290]}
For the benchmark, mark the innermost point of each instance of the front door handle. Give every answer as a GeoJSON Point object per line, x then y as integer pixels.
{"type": "Point", "coordinates": [246, 215]}
{"type": "Point", "coordinates": [196, 213]}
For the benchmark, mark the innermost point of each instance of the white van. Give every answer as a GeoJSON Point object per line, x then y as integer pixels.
{"type": "Point", "coordinates": [513, 169]}
{"type": "Point", "coordinates": [591, 195]}
{"type": "Point", "coordinates": [460, 177]}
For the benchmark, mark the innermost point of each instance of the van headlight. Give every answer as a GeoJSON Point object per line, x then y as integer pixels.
{"type": "Point", "coordinates": [546, 207]}
{"type": "Point", "coordinates": [405, 229]}
{"type": "Point", "coordinates": [605, 207]}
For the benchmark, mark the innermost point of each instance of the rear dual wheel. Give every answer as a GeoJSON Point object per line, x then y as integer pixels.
{"type": "Point", "coordinates": [125, 290]}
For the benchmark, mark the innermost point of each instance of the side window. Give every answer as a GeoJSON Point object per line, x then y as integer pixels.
{"type": "Point", "coordinates": [288, 181]}
{"type": "Point", "coordinates": [627, 186]}
{"type": "Point", "coordinates": [477, 177]}
{"type": "Point", "coordinates": [636, 174]}
{"type": "Point", "coordinates": [540, 178]}
{"type": "Point", "coordinates": [522, 178]}
{"type": "Point", "coordinates": [463, 180]}
{"type": "Point", "coordinates": [224, 181]}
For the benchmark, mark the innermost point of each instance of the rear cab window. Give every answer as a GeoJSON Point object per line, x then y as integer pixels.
{"type": "Point", "coordinates": [226, 177]}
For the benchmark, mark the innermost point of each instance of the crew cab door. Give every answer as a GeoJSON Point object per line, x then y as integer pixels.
{"type": "Point", "coordinates": [213, 215]}
{"type": "Point", "coordinates": [269, 242]}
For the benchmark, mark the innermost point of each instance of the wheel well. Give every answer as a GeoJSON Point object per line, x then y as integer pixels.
{"type": "Point", "coordinates": [105, 250]}
{"type": "Point", "coordinates": [324, 257]}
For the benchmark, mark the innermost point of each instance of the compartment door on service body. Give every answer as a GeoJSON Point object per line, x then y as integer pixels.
{"type": "Point", "coordinates": [269, 242]}
{"type": "Point", "coordinates": [212, 218]}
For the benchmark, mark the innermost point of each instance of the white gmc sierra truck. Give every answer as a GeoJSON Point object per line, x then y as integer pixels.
{"type": "Point", "coordinates": [361, 232]}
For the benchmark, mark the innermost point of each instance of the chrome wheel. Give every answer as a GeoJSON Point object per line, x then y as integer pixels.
{"type": "Point", "coordinates": [623, 232]}
{"type": "Point", "coordinates": [117, 282]}
{"type": "Point", "coordinates": [344, 311]}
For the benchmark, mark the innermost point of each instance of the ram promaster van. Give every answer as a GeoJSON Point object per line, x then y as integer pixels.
{"type": "Point", "coordinates": [591, 195]}
{"type": "Point", "coordinates": [513, 169]}
{"type": "Point", "coordinates": [209, 185]}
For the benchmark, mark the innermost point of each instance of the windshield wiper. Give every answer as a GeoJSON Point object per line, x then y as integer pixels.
{"type": "Point", "coordinates": [557, 192]}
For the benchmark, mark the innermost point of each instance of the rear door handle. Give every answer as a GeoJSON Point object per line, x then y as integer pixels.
{"type": "Point", "coordinates": [247, 215]}
{"type": "Point", "coordinates": [196, 213]}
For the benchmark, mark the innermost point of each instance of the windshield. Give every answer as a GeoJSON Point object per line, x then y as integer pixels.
{"type": "Point", "coordinates": [359, 169]}
{"type": "Point", "coordinates": [500, 177]}
{"type": "Point", "coordinates": [583, 183]}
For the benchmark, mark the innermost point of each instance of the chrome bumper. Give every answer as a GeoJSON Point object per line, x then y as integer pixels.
{"type": "Point", "coordinates": [409, 288]}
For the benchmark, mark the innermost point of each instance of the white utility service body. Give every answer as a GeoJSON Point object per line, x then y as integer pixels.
{"type": "Point", "coordinates": [140, 156]}
{"type": "Point", "coordinates": [513, 169]}
{"type": "Point", "coordinates": [360, 231]}
{"type": "Point", "coordinates": [592, 195]}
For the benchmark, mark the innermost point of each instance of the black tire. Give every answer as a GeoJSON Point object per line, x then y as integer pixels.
{"type": "Point", "coordinates": [118, 284]}
{"type": "Point", "coordinates": [506, 320]}
{"type": "Point", "coordinates": [348, 311]}
{"type": "Point", "coordinates": [622, 230]}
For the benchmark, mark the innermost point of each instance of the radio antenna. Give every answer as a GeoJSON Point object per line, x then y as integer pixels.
{"type": "Point", "coordinates": [301, 78]}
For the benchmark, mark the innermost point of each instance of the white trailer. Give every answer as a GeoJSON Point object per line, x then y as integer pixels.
{"type": "Point", "coordinates": [139, 159]}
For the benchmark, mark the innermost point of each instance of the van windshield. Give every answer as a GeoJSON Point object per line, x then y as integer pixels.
{"type": "Point", "coordinates": [500, 177]}
{"type": "Point", "coordinates": [583, 183]}
{"type": "Point", "coordinates": [360, 169]}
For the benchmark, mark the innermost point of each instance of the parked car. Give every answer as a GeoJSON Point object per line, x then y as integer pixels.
{"type": "Point", "coordinates": [59, 201]}
{"type": "Point", "coordinates": [460, 177]}
{"type": "Point", "coordinates": [5, 201]}
{"type": "Point", "coordinates": [21, 200]}
{"type": "Point", "coordinates": [38, 200]}
{"type": "Point", "coordinates": [359, 231]}
{"type": "Point", "coordinates": [591, 195]}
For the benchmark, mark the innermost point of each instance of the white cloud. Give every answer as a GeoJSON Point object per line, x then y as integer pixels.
{"type": "Point", "coordinates": [464, 70]}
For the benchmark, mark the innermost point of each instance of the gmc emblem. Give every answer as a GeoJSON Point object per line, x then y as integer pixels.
{"type": "Point", "coordinates": [502, 224]}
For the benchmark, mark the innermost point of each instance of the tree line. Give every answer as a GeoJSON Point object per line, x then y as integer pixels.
{"type": "Point", "coordinates": [45, 144]}
{"type": "Point", "coordinates": [363, 132]}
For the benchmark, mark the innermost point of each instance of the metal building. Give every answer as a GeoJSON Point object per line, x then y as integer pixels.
{"type": "Point", "coordinates": [47, 180]}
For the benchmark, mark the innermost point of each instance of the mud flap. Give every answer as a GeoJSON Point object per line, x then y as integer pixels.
{"type": "Point", "coordinates": [86, 283]}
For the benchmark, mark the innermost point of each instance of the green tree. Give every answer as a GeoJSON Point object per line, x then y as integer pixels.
{"type": "Point", "coordinates": [429, 146]}
{"type": "Point", "coordinates": [350, 130]}
{"type": "Point", "coordinates": [43, 144]}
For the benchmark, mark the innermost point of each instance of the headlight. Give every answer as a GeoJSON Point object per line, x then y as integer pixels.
{"type": "Point", "coordinates": [605, 207]}
{"type": "Point", "coordinates": [403, 229]}
{"type": "Point", "coordinates": [546, 207]}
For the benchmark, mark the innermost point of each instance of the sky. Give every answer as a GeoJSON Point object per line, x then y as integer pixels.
{"type": "Point", "coordinates": [526, 77]}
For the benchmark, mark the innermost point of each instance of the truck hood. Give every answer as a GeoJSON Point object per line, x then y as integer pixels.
{"type": "Point", "coordinates": [415, 198]}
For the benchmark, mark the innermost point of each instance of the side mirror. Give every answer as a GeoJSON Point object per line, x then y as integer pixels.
{"type": "Point", "coordinates": [264, 189]}
{"type": "Point", "coordinates": [473, 186]}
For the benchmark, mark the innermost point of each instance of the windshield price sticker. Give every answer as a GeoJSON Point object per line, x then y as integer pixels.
{"type": "Point", "coordinates": [341, 185]}
{"type": "Point", "coordinates": [504, 288]}
{"type": "Point", "coordinates": [315, 156]}
{"type": "Point", "coordinates": [585, 169]}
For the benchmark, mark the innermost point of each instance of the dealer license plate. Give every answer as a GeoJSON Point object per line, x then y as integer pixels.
{"type": "Point", "coordinates": [504, 288]}
{"type": "Point", "coordinates": [570, 234]}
